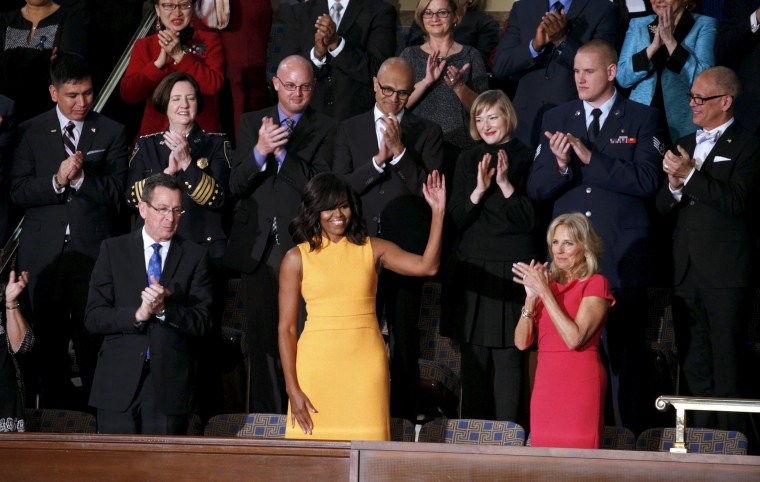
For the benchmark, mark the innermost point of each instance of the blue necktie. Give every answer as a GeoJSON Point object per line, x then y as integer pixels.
{"type": "Point", "coordinates": [154, 265]}
{"type": "Point", "coordinates": [154, 269]}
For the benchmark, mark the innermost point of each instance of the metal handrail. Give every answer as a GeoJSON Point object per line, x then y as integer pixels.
{"type": "Point", "coordinates": [711, 404]}
{"type": "Point", "coordinates": [9, 250]}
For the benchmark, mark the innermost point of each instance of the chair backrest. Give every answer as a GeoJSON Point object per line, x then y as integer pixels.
{"type": "Point", "coordinates": [250, 425]}
{"type": "Point", "coordinates": [472, 431]}
{"type": "Point", "coordinates": [234, 307]}
{"type": "Point", "coordinates": [439, 349]}
{"type": "Point", "coordinates": [614, 438]}
{"type": "Point", "coordinates": [402, 430]}
{"type": "Point", "coordinates": [63, 421]}
{"type": "Point", "coordinates": [698, 440]}
{"type": "Point", "coordinates": [194, 425]}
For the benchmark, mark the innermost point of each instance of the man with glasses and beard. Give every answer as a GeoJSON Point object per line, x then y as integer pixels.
{"type": "Point", "coordinates": [385, 154]}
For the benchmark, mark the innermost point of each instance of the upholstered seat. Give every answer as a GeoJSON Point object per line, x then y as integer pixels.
{"type": "Point", "coordinates": [472, 431]}
{"type": "Point", "coordinates": [698, 440]}
{"type": "Point", "coordinates": [252, 425]}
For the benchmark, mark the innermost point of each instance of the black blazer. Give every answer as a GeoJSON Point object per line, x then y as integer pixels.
{"type": "Point", "coordinates": [117, 280]}
{"type": "Point", "coordinates": [344, 84]}
{"type": "Point", "coordinates": [495, 229]}
{"type": "Point", "coordinates": [392, 202]}
{"type": "Point", "coordinates": [547, 80]}
{"type": "Point", "coordinates": [7, 143]}
{"type": "Point", "coordinates": [614, 190]}
{"type": "Point", "coordinates": [738, 48]}
{"type": "Point", "coordinates": [711, 232]}
{"type": "Point", "coordinates": [204, 184]}
{"type": "Point", "coordinates": [266, 194]}
{"type": "Point", "coordinates": [90, 211]}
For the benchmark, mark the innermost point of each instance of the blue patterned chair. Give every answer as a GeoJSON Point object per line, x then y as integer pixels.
{"type": "Point", "coordinates": [195, 425]}
{"type": "Point", "coordinates": [614, 438]}
{"type": "Point", "coordinates": [472, 431]}
{"type": "Point", "coordinates": [402, 430]}
{"type": "Point", "coordinates": [59, 421]}
{"type": "Point", "coordinates": [440, 358]}
{"type": "Point", "coordinates": [698, 440]}
{"type": "Point", "coordinates": [251, 425]}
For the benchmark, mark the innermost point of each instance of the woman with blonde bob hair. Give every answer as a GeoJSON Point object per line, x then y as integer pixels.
{"type": "Point", "coordinates": [495, 223]}
{"type": "Point", "coordinates": [567, 303]}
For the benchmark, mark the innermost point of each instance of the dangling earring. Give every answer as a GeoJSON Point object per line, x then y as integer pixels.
{"type": "Point", "coordinates": [158, 25]}
{"type": "Point", "coordinates": [318, 227]}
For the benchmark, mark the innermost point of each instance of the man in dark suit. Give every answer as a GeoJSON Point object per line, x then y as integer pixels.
{"type": "Point", "coordinates": [538, 46]}
{"type": "Point", "coordinates": [385, 155]}
{"type": "Point", "coordinates": [279, 149]}
{"type": "Point", "coordinates": [600, 156]}
{"type": "Point", "coordinates": [68, 174]}
{"type": "Point", "coordinates": [346, 40]}
{"type": "Point", "coordinates": [712, 183]}
{"type": "Point", "coordinates": [149, 297]}
{"type": "Point", "coordinates": [738, 47]}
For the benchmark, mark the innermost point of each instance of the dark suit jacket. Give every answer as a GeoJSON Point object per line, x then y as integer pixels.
{"type": "Point", "coordinates": [266, 194]}
{"type": "Point", "coordinates": [7, 141]}
{"type": "Point", "coordinates": [547, 80]}
{"type": "Point", "coordinates": [344, 84]}
{"type": "Point", "coordinates": [614, 189]}
{"type": "Point", "coordinates": [90, 211]}
{"type": "Point", "coordinates": [204, 184]}
{"type": "Point", "coordinates": [117, 280]}
{"type": "Point", "coordinates": [711, 233]}
{"type": "Point", "coordinates": [738, 48]}
{"type": "Point", "coordinates": [392, 202]}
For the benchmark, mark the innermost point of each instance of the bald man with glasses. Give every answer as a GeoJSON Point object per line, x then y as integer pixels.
{"type": "Point", "coordinates": [279, 149]}
{"type": "Point", "coordinates": [385, 154]}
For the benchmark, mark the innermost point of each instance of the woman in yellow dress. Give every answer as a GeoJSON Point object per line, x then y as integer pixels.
{"type": "Point", "coordinates": [336, 375]}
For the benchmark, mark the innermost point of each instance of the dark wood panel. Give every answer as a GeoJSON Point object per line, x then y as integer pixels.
{"type": "Point", "coordinates": [115, 458]}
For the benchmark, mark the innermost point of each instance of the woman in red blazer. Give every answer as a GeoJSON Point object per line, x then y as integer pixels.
{"type": "Point", "coordinates": [175, 47]}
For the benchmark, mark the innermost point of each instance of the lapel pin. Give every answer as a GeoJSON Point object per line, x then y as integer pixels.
{"type": "Point", "coordinates": [93, 130]}
{"type": "Point", "coordinates": [196, 141]}
{"type": "Point", "coordinates": [728, 140]}
{"type": "Point", "coordinates": [622, 131]}
{"type": "Point", "coordinates": [577, 113]}
{"type": "Point", "coordinates": [616, 113]}
{"type": "Point", "coordinates": [53, 130]}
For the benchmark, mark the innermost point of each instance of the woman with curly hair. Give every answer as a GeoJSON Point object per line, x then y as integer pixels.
{"type": "Point", "coordinates": [336, 375]}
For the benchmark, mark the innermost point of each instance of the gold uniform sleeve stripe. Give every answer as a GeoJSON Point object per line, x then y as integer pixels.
{"type": "Point", "coordinates": [204, 189]}
{"type": "Point", "coordinates": [137, 190]}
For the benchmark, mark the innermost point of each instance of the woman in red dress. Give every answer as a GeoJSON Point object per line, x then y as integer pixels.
{"type": "Point", "coordinates": [176, 47]}
{"type": "Point", "coordinates": [567, 304]}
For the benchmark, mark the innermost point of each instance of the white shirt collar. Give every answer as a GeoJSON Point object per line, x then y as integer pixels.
{"type": "Point", "coordinates": [63, 122]}
{"type": "Point", "coordinates": [379, 114]}
{"type": "Point", "coordinates": [605, 108]}
{"type": "Point", "coordinates": [722, 128]}
{"type": "Point", "coordinates": [148, 243]}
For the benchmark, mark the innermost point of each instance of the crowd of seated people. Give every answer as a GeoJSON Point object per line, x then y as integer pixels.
{"type": "Point", "coordinates": [630, 132]}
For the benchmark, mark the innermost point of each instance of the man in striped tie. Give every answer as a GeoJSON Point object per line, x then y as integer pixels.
{"type": "Point", "coordinates": [68, 174]}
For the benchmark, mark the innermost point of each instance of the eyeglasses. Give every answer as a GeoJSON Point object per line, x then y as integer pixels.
{"type": "Point", "coordinates": [701, 100]}
{"type": "Point", "coordinates": [389, 91]}
{"type": "Point", "coordinates": [440, 13]}
{"type": "Point", "coordinates": [170, 7]}
{"type": "Point", "coordinates": [290, 86]}
{"type": "Point", "coordinates": [175, 212]}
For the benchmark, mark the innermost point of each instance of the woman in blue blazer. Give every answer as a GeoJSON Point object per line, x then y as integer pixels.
{"type": "Point", "coordinates": [661, 56]}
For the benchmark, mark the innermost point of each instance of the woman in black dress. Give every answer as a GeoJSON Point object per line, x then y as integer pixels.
{"type": "Point", "coordinates": [495, 221]}
{"type": "Point", "coordinates": [15, 338]}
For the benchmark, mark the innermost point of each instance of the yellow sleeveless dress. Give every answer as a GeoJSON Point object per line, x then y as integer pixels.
{"type": "Point", "coordinates": [342, 362]}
